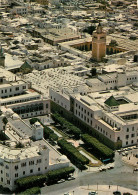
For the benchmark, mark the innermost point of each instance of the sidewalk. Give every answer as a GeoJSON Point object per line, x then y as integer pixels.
{"type": "Point", "coordinates": [101, 189]}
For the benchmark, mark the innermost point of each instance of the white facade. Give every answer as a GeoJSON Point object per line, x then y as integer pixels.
{"type": "Point", "coordinates": [26, 102]}
{"type": "Point", "coordinates": [13, 89]}
{"type": "Point", "coordinates": [37, 131]}
{"type": "Point", "coordinates": [20, 10]}
{"type": "Point", "coordinates": [117, 123]}
{"type": "Point", "coordinates": [18, 163]}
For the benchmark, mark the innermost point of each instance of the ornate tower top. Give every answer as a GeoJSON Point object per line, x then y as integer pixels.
{"type": "Point", "coordinates": [99, 29]}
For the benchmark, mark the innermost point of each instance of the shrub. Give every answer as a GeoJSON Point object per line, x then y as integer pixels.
{"type": "Point", "coordinates": [33, 120]}
{"type": "Point", "coordinates": [102, 150]}
{"type": "Point", "coordinates": [2, 136]}
{"type": "Point", "coordinates": [30, 181]}
{"type": "Point", "coordinates": [72, 153]}
{"type": "Point", "coordinates": [49, 177]}
{"type": "Point", "coordinates": [34, 190]}
{"type": "Point", "coordinates": [67, 125]}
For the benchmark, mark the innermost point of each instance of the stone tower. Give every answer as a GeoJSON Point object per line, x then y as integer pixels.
{"type": "Point", "coordinates": [37, 132]}
{"type": "Point", "coordinates": [98, 44]}
{"type": "Point", "coordinates": [2, 57]}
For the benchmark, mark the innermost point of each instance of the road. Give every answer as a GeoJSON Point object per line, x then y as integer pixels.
{"type": "Point", "coordinates": [121, 175]}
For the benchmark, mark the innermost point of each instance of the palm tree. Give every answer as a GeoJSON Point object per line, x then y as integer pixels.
{"type": "Point", "coordinates": [5, 121]}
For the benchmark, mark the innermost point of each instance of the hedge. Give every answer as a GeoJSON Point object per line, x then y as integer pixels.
{"type": "Point", "coordinates": [97, 146]}
{"type": "Point", "coordinates": [72, 153]}
{"type": "Point", "coordinates": [30, 181]}
{"type": "Point", "coordinates": [49, 177]}
{"type": "Point", "coordinates": [58, 174]}
{"type": "Point", "coordinates": [31, 191]}
{"type": "Point", "coordinates": [49, 134]}
{"type": "Point", "coordinates": [65, 124]}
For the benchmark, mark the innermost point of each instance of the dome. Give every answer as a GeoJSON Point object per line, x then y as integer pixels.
{"type": "Point", "coordinates": [15, 116]}
{"type": "Point", "coordinates": [37, 123]}
{"type": "Point", "coordinates": [63, 158]}
{"type": "Point", "coordinates": [3, 109]}
{"type": "Point", "coordinates": [9, 111]}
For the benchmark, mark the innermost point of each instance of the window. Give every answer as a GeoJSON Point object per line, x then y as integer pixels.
{"type": "Point", "coordinates": [127, 129]}
{"type": "Point", "coordinates": [2, 179]}
{"type": "Point", "coordinates": [31, 162]}
{"type": "Point", "coordinates": [1, 171]}
{"type": "Point", "coordinates": [31, 171]}
{"type": "Point", "coordinates": [118, 138]}
{"type": "Point", "coordinates": [7, 174]}
{"type": "Point", "coordinates": [23, 172]}
{"type": "Point", "coordinates": [133, 135]}
{"type": "Point", "coordinates": [88, 113]}
{"type": "Point", "coordinates": [132, 142]}
{"type": "Point", "coordinates": [8, 181]}
{"type": "Point", "coordinates": [91, 115]}
{"type": "Point", "coordinates": [126, 143]}
{"type": "Point", "coordinates": [132, 128]}
{"type": "Point", "coordinates": [24, 87]}
{"type": "Point", "coordinates": [39, 169]}
{"type": "Point", "coordinates": [46, 105]}
{"type": "Point", "coordinates": [23, 164]}
{"type": "Point", "coordinates": [17, 88]}
{"type": "Point", "coordinates": [39, 161]}
{"type": "Point", "coordinates": [127, 136]}
{"type": "Point", "coordinates": [7, 167]}
{"type": "Point", "coordinates": [16, 174]}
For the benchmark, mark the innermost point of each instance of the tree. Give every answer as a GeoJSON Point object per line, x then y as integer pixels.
{"type": "Point", "coordinates": [89, 29]}
{"type": "Point", "coordinates": [93, 71]}
{"type": "Point", "coordinates": [5, 121]}
{"type": "Point", "coordinates": [19, 145]}
{"type": "Point", "coordinates": [113, 43]}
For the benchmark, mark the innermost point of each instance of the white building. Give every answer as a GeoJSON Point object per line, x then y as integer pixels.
{"type": "Point", "coordinates": [19, 10]}
{"type": "Point", "coordinates": [18, 96]}
{"type": "Point", "coordinates": [18, 163]}
{"type": "Point", "coordinates": [113, 117]}
{"type": "Point", "coordinates": [35, 158]}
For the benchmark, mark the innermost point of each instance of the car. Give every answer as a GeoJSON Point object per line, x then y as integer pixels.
{"type": "Point", "coordinates": [136, 169]}
{"type": "Point", "coordinates": [70, 178]}
{"type": "Point", "coordinates": [117, 193]}
{"type": "Point", "coordinates": [93, 193]}
{"type": "Point", "coordinates": [61, 181]}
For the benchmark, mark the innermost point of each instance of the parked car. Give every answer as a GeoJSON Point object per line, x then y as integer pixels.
{"type": "Point", "coordinates": [117, 193]}
{"type": "Point", "coordinates": [61, 181]}
{"type": "Point", "coordinates": [71, 178]}
{"type": "Point", "coordinates": [93, 193]}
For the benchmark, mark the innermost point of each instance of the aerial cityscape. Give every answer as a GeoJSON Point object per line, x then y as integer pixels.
{"type": "Point", "coordinates": [69, 97]}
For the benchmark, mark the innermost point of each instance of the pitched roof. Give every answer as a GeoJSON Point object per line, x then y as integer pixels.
{"type": "Point", "coordinates": [111, 101]}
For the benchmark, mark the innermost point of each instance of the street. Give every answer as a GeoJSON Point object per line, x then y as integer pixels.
{"type": "Point", "coordinates": [121, 175]}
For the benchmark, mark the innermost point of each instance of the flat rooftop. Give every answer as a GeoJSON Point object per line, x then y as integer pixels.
{"type": "Point", "coordinates": [18, 154]}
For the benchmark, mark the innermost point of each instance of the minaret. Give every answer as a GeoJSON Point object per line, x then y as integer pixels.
{"type": "Point", "coordinates": [99, 44]}
{"type": "Point", "coordinates": [2, 57]}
